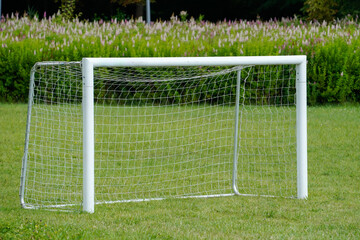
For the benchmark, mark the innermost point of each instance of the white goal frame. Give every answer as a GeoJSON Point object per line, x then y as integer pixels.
{"type": "Point", "coordinates": [88, 117]}
{"type": "Point", "coordinates": [88, 65]}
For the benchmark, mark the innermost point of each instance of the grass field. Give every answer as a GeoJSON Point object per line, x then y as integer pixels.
{"type": "Point", "coordinates": [331, 211]}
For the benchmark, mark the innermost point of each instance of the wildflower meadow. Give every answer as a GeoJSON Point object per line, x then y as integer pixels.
{"type": "Point", "coordinates": [333, 49]}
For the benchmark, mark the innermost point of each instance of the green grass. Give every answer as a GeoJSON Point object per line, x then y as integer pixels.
{"type": "Point", "coordinates": [331, 211]}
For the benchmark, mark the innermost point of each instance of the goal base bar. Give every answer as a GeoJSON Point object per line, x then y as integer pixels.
{"type": "Point", "coordinates": [53, 207]}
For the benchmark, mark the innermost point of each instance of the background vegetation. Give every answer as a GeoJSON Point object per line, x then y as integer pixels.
{"type": "Point", "coordinates": [332, 46]}
{"type": "Point", "coordinates": [333, 50]}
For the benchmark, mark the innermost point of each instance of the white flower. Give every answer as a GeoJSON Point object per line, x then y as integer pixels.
{"type": "Point", "coordinates": [183, 13]}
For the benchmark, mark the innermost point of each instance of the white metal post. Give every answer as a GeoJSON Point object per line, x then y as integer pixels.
{"type": "Point", "coordinates": [236, 133]}
{"type": "Point", "coordinates": [88, 136]}
{"type": "Point", "coordinates": [301, 131]}
{"type": "Point", "coordinates": [24, 161]}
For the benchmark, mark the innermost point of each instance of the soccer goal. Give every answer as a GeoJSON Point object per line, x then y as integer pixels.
{"type": "Point", "coordinates": [110, 130]}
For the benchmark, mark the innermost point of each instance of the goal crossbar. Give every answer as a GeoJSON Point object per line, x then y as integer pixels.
{"type": "Point", "coordinates": [194, 61]}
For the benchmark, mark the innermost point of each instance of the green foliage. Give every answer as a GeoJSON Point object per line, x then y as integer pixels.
{"type": "Point", "coordinates": [333, 74]}
{"type": "Point", "coordinates": [119, 16]}
{"type": "Point", "coordinates": [67, 10]}
{"type": "Point", "coordinates": [32, 13]}
{"type": "Point", "coordinates": [320, 10]}
{"type": "Point", "coordinates": [201, 17]}
{"type": "Point", "coordinates": [128, 2]}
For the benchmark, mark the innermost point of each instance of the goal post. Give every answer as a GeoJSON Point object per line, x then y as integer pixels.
{"type": "Point", "coordinates": [88, 132]}
{"type": "Point", "coordinates": [301, 130]}
{"type": "Point", "coordinates": [154, 128]}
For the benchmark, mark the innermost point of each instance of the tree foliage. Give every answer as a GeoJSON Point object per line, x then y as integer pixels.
{"type": "Point", "coordinates": [321, 10]}
{"type": "Point", "coordinates": [67, 9]}
{"type": "Point", "coordinates": [127, 2]}
{"type": "Point", "coordinates": [348, 7]}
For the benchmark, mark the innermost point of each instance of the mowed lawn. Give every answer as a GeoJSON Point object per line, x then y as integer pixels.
{"type": "Point", "coordinates": [331, 211]}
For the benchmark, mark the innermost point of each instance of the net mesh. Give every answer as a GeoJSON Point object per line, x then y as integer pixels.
{"type": "Point", "coordinates": [161, 133]}
{"type": "Point", "coordinates": [53, 150]}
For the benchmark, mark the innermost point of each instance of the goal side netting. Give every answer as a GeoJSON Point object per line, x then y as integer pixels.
{"type": "Point", "coordinates": [161, 132]}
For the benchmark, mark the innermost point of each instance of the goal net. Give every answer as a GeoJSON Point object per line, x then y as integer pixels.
{"type": "Point", "coordinates": [159, 132]}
